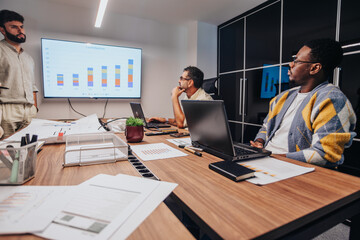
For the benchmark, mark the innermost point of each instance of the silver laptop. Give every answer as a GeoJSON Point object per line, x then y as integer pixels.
{"type": "Point", "coordinates": [209, 129]}
{"type": "Point", "coordinates": [138, 113]}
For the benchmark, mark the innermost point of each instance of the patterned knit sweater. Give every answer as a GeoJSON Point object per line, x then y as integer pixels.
{"type": "Point", "coordinates": [322, 127]}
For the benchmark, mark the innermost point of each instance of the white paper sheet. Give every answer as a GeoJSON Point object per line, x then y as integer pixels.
{"type": "Point", "coordinates": [102, 205]}
{"type": "Point", "coordinates": [269, 170]}
{"type": "Point", "coordinates": [56, 132]}
{"type": "Point", "coordinates": [144, 210]}
{"type": "Point", "coordinates": [25, 209]}
{"type": "Point", "coordinates": [156, 151]}
{"type": "Point", "coordinates": [181, 141]}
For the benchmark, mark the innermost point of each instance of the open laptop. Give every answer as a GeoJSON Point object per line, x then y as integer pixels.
{"type": "Point", "coordinates": [209, 130]}
{"type": "Point", "coordinates": [138, 113]}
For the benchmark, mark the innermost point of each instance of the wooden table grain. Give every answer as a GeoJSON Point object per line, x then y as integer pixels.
{"type": "Point", "coordinates": [241, 210]}
{"type": "Point", "coordinates": [161, 224]}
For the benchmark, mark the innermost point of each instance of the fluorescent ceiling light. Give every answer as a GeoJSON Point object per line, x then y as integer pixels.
{"type": "Point", "coordinates": [100, 13]}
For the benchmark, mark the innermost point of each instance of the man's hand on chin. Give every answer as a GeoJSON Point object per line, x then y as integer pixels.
{"type": "Point", "coordinates": [177, 91]}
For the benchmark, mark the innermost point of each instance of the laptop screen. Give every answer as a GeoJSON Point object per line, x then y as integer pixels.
{"type": "Point", "coordinates": [208, 125]}
{"type": "Point", "coordinates": [138, 112]}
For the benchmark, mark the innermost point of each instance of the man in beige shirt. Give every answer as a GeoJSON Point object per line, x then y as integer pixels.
{"type": "Point", "coordinates": [18, 102]}
{"type": "Point", "coordinates": [190, 82]}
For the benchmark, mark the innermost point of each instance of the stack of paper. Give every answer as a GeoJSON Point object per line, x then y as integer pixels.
{"type": "Point", "coordinates": [99, 208]}
{"type": "Point", "coordinates": [29, 209]}
{"type": "Point", "coordinates": [56, 132]}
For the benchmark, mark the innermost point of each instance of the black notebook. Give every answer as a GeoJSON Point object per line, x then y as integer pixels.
{"type": "Point", "coordinates": [232, 170]}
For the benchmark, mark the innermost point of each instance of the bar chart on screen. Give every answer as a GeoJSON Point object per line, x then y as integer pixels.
{"type": "Point", "coordinates": [76, 69]}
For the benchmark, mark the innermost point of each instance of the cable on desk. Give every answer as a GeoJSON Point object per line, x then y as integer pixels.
{"type": "Point", "coordinates": [105, 108]}
{"type": "Point", "coordinates": [104, 125]}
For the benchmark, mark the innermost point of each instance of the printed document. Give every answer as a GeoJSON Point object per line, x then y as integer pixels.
{"type": "Point", "coordinates": [56, 132]}
{"type": "Point", "coordinates": [26, 209]}
{"type": "Point", "coordinates": [269, 170]}
{"type": "Point", "coordinates": [156, 151]}
{"type": "Point", "coordinates": [181, 141]}
{"type": "Point", "coordinates": [102, 205]}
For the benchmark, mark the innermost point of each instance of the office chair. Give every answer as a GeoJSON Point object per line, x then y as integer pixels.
{"type": "Point", "coordinates": [210, 86]}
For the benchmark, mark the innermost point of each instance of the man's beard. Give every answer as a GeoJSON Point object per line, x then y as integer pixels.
{"type": "Point", "coordinates": [15, 38]}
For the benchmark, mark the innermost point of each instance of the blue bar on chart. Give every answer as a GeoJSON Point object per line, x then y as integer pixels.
{"type": "Point", "coordinates": [117, 75]}
{"type": "Point", "coordinates": [90, 72]}
{"type": "Point", "coordinates": [75, 80]}
{"type": "Point", "coordinates": [130, 72]}
{"type": "Point", "coordinates": [104, 76]}
{"type": "Point", "coordinates": [60, 79]}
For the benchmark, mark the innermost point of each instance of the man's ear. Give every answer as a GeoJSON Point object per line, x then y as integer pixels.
{"type": "Point", "coordinates": [191, 83]}
{"type": "Point", "coordinates": [2, 30]}
{"type": "Point", "coordinates": [315, 68]}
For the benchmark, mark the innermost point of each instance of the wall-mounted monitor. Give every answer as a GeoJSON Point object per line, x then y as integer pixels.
{"type": "Point", "coordinates": [86, 70]}
{"type": "Point", "coordinates": [270, 81]}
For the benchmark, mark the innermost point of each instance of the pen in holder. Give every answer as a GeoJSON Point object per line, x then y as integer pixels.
{"type": "Point", "coordinates": [17, 163]}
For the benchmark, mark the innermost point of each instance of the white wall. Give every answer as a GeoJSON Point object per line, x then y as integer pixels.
{"type": "Point", "coordinates": [167, 49]}
{"type": "Point", "coordinates": [202, 47]}
{"type": "Point", "coordinates": [207, 49]}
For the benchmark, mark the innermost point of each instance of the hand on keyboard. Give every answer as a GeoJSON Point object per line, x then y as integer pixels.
{"type": "Point", "coordinates": [256, 144]}
{"type": "Point", "coordinates": [157, 120]}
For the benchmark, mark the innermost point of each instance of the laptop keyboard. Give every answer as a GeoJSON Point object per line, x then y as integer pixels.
{"type": "Point", "coordinates": [152, 125]}
{"type": "Point", "coordinates": [242, 151]}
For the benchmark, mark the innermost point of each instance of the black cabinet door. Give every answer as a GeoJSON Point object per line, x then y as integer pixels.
{"type": "Point", "coordinates": [230, 93]}
{"type": "Point", "coordinates": [250, 133]}
{"type": "Point", "coordinates": [351, 163]}
{"type": "Point", "coordinates": [350, 21]}
{"type": "Point", "coordinates": [263, 36]}
{"type": "Point", "coordinates": [350, 84]}
{"type": "Point", "coordinates": [231, 43]}
{"type": "Point", "coordinates": [306, 20]}
{"type": "Point", "coordinates": [236, 131]}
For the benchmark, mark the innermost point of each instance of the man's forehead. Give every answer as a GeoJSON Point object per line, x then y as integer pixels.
{"type": "Point", "coordinates": [304, 51]}
{"type": "Point", "coordinates": [14, 23]}
{"type": "Point", "coordinates": [186, 73]}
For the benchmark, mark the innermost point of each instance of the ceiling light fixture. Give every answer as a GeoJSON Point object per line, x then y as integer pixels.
{"type": "Point", "coordinates": [100, 13]}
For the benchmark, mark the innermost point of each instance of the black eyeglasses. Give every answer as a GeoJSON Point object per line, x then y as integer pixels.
{"type": "Point", "coordinates": [182, 78]}
{"type": "Point", "coordinates": [295, 60]}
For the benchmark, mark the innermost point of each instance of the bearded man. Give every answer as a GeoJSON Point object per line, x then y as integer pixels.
{"type": "Point", "coordinates": [190, 83]}
{"type": "Point", "coordinates": [18, 93]}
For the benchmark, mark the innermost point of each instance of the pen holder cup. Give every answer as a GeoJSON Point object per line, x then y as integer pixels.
{"type": "Point", "coordinates": [17, 164]}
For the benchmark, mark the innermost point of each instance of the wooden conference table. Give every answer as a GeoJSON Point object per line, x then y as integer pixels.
{"type": "Point", "coordinates": [161, 224]}
{"type": "Point", "coordinates": [297, 208]}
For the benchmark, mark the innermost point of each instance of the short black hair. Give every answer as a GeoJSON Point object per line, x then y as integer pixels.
{"type": "Point", "coordinates": [326, 51]}
{"type": "Point", "coordinates": [8, 16]}
{"type": "Point", "coordinates": [195, 74]}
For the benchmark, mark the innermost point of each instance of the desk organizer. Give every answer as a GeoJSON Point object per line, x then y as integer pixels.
{"type": "Point", "coordinates": [17, 164]}
{"type": "Point", "coordinates": [87, 149]}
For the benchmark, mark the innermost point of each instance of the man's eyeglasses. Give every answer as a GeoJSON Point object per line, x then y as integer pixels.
{"type": "Point", "coordinates": [295, 60]}
{"type": "Point", "coordinates": [182, 78]}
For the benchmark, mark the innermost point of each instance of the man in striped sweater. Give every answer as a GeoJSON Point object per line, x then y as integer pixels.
{"type": "Point", "coordinates": [314, 121]}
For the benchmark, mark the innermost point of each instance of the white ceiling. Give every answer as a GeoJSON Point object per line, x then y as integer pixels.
{"type": "Point", "coordinates": [172, 11]}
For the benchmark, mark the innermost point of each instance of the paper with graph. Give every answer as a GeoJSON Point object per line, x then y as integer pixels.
{"type": "Point", "coordinates": [155, 151]}
{"type": "Point", "coordinates": [269, 170]}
